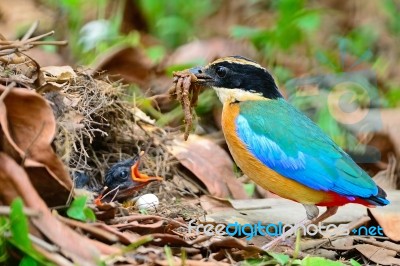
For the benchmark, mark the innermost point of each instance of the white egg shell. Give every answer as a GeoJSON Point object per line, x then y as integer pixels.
{"type": "Point", "coordinates": [147, 202]}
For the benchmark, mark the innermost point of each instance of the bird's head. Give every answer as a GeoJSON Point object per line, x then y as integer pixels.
{"type": "Point", "coordinates": [120, 174]}
{"type": "Point", "coordinates": [237, 79]}
{"type": "Point", "coordinates": [126, 175]}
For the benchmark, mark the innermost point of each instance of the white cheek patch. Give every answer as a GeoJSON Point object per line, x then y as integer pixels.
{"type": "Point", "coordinates": [223, 94]}
{"type": "Point", "coordinates": [232, 95]}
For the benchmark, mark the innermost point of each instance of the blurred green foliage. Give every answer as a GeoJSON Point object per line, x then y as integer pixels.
{"type": "Point", "coordinates": [176, 22]}
{"type": "Point", "coordinates": [14, 237]}
{"type": "Point", "coordinates": [294, 25]}
{"type": "Point", "coordinates": [392, 9]}
{"type": "Point", "coordinates": [87, 40]}
{"type": "Point", "coordinates": [393, 97]}
{"type": "Point", "coordinates": [80, 211]}
{"type": "Point", "coordinates": [359, 42]}
{"type": "Point", "coordinates": [172, 22]}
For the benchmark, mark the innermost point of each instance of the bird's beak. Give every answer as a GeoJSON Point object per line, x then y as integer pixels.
{"type": "Point", "coordinates": [139, 177]}
{"type": "Point", "coordinates": [201, 75]}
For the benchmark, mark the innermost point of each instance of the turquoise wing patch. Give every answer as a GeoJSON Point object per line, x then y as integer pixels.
{"type": "Point", "coordinates": [291, 144]}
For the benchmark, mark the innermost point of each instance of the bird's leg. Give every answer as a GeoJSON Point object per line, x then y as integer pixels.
{"type": "Point", "coordinates": [312, 212]}
{"type": "Point", "coordinates": [312, 218]}
{"type": "Point", "coordinates": [328, 213]}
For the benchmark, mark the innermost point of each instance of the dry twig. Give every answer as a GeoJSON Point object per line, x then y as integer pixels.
{"type": "Point", "coordinates": [9, 47]}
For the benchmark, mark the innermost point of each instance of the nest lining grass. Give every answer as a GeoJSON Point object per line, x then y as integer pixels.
{"type": "Point", "coordinates": [98, 126]}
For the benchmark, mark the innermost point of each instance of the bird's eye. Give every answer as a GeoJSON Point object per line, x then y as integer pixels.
{"type": "Point", "coordinates": [123, 174]}
{"type": "Point", "coordinates": [221, 71]}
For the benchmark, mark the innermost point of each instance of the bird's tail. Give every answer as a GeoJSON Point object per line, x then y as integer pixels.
{"type": "Point", "coordinates": [379, 199]}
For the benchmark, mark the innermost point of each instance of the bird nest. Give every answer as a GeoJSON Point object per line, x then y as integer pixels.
{"type": "Point", "coordinates": [98, 125]}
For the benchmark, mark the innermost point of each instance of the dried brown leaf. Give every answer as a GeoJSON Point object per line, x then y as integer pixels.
{"type": "Point", "coordinates": [378, 255]}
{"type": "Point", "coordinates": [140, 223]}
{"type": "Point", "coordinates": [94, 231]}
{"type": "Point", "coordinates": [212, 204]}
{"type": "Point", "coordinates": [210, 164]}
{"type": "Point", "coordinates": [178, 261]}
{"type": "Point", "coordinates": [231, 242]}
{"type": "Point", "coordinates": [15, 183]}
{"type": "Point", "coordinates": [58, 73]}
{"type": "Point", "coordinates": [168, 239]}
{"type": "Point", "coordinates": [388, 217]}
{"type": "Point", "coordinates": [129, 63]}
{"type": "Point", "coordinates": [125, 237]}
{"type": "Point", "coordinates": [202, 51]}
{"type": "Point", "coordinates": [28, 128]}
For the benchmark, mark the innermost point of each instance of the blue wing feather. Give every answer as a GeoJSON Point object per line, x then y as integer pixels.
{"type": "Point", "coordinates": [291, 144]}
